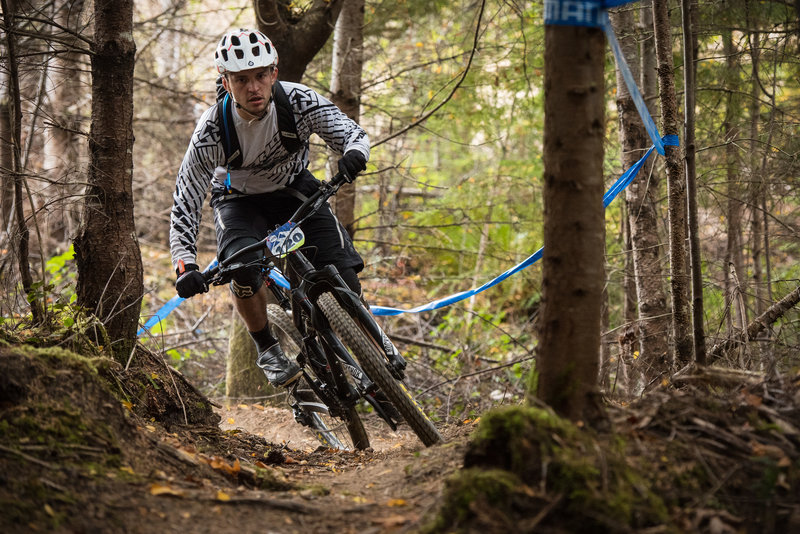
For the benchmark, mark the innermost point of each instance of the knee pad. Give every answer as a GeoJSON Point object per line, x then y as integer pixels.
{"type": "Point", "coordinates": [247, 281]}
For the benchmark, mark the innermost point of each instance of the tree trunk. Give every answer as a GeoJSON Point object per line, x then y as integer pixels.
{"type": "Point", "coordinates": [348, 61]}
{"type": "Point", "coordinates": [733, 253]}
{"type": "Point", "coordinates": [756, 177]}
{"type": "Point", "coordinates": [676, 189]}
{"type": "Point", "coordinates": [688, 9]}
{"type": "Point", "coordinates": [651, 331]}
{"type": "Point", "coordinates": [297, 34]}
{"type": "Point", "coordinates": [64, 149]}
{"type": "Point", "coordinates": [107, 251]}
{"type": "Point", "coordinates": [6, 128]}
{"type": "Point", "coordinates": [243, 378]}
{"type": "Point", "coordinates": [573, 267]}
{"type": "Point", "coordinates": [21, 235]}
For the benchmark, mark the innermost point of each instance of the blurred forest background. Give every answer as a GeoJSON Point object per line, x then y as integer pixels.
{"type": "Point", "coordinates": [452, 96]}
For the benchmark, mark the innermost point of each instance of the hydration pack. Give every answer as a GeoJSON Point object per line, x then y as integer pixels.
{"type": "Point", "coordinates": [287, 128]}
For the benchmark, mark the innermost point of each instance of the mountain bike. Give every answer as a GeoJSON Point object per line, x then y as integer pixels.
{"type": "Point", "coordinates": [345, 356]}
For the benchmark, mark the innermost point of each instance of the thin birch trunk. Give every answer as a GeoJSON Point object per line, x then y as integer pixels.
{"type": "Point", "coordinates": [646, 357]}
{"type": "Point", "coordinates": [676, 190]}
{"type": "Point", "coordinates": [688, 10]}
{"type": "Point", "coordinates": [348, 61]}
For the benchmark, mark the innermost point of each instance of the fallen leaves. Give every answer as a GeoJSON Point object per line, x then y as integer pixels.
{"type": "Point", "coordinates": [163, 489]}
{"type": "Point", "coordinates": [221, 465]}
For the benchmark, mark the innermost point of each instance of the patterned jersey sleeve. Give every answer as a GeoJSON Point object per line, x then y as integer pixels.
{"type": "Point", "coordinates": [194, 176]}
{"type": "Point", "coordinates": [321, 116]}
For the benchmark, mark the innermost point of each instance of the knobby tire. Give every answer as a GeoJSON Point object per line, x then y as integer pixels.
{"type": "Point", "coordinates": [283, 329]}
{"type": "Point", "coordinates": [375, 364]}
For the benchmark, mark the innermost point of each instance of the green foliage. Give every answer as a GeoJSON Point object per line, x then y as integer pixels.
{"type": "Point", "coordinates": [64, 276]}
{"type": "Point", "coordinates": [478, 162]}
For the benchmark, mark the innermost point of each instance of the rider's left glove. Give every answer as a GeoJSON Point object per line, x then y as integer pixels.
{"type": "Point", "coordinates": [352, 163]}
{"type": "Point", "coordinates": [190, 280]}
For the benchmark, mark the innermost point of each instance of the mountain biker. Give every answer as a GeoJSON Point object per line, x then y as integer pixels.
{"type": "Point", "coordinates": [250, 200]}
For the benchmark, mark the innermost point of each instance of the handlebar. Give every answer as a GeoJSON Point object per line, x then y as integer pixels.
{"type": "Point", "coordinates": [308, 208]}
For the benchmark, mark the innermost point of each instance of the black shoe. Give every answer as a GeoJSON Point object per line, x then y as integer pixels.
{"type": "Point", "coordinates": [279, 369]}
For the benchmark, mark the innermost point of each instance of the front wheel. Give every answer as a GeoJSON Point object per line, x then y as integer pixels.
{"type": "Point", "coordinates": [375, 364]}
{"type": "Point", "coordinates": [347, 433]}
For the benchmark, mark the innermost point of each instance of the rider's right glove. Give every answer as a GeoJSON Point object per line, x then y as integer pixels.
{"type": "Point", "coordinates": [352, 163]}
{"type": "Point", "coordinates": [190, 280]}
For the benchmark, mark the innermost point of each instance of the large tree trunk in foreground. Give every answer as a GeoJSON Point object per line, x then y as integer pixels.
{"type": "Point", "coordinates": [107, 251]}
{"type": "Point", "coordinates": [573, 232]}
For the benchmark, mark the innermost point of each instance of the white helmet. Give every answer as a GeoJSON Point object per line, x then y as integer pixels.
{"type": "Point", "coordinates": [244, 49]}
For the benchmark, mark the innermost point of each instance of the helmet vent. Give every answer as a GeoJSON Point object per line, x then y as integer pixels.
{"type": "Point", "coordinates": [239, 53]}
{"type": "Point", "coordinates": [235, 40]}
{"type": "Point", "coordinates": [256, 51]}
{"type": "Point", "coordinates": [253, 38]}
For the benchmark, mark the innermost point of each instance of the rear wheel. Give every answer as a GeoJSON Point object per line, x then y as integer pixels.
{"type": "Point", "coordinates": [346, 432]}
{"type": "Point", "coordinates": [375, 364]}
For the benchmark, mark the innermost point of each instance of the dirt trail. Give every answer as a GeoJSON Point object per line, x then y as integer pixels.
{"type": "Point", "coordinates": [388, 489]}
{"type": "Point", "coordinates": [277, 425]}
{"type": "Point", "coordinates": [74, 458]}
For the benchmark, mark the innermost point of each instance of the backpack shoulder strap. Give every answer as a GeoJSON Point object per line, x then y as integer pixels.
{"type": "Point", "coordinates": [230, 141]}
{"type": "Point", "coordinates": [287, 128]}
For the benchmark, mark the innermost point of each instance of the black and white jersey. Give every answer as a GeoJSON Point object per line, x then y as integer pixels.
{"type": "Point", "coordinates": [266, 165]}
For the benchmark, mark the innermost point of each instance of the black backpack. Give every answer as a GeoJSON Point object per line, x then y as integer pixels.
{"type": "Point", "coordinates": [230, 141]}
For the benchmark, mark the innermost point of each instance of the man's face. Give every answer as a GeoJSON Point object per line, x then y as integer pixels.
{"type": "Point", "coordinates": [251, 88]}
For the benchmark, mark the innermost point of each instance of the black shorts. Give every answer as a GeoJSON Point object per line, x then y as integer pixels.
{"type": "Point", "coordinates": [250, 218]}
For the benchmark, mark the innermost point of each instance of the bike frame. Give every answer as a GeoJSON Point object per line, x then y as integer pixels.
{"type": "Point", "coordinates": [322, 350]}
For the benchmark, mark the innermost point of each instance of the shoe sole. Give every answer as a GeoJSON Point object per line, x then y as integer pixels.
{"type": "Point", "coordinates": [289, 381]}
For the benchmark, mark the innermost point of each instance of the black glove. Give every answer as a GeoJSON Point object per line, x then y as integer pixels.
{"type": "Point", "coordinates": [190, 280]}
{"type": "Point", "coordinates": [352, 163]}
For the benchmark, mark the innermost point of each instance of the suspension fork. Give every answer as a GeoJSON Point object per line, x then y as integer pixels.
{"type": "Point", "coordinates": [352, 303]}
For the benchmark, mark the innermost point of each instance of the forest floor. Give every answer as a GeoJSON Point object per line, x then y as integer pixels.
{"type": "Point", "coordinates": [75, 459]}
{"type": "Point", "coordinates": [87, 446]}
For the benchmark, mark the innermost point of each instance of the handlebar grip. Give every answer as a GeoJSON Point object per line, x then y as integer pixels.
{"type": "Point", "coordinates": [339, 178]}
{"type": "Point", "coordinates": [211, 273]}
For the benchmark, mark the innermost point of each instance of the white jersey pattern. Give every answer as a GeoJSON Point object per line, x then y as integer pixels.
{"type": "Point", "coordinates": [266, 165]}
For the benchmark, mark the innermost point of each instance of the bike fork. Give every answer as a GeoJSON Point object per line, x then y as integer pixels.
{"type": "Point", "coordinates": [352, 303]}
